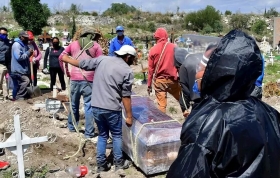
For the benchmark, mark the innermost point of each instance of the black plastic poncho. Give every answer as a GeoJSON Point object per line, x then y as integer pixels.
{"type": "Point", "coordinates": [230, 134]}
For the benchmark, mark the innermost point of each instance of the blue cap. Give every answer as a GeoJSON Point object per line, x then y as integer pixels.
{"type": "Point", "coordinates": [119, 28]}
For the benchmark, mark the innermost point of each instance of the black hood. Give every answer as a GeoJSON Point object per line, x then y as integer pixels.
{"type": "Point", "coordinates": [233, 68]}
{"type": "Point", "coordinates": [179, 56]}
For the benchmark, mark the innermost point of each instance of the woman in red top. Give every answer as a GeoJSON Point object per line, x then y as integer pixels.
{"type": "Point", "coordinates": [36, 57]}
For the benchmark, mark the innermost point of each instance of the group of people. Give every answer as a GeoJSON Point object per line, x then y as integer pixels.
{"type": "Point", "coordinates": [17, 57]}
{"type": "Point", "coordinates": [229, 131]}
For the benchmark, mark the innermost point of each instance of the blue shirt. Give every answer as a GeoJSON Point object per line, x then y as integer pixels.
{"type": "Point", "coordinates": [115, 44]}
{"type": "Point", "coordinates": [260, 78]}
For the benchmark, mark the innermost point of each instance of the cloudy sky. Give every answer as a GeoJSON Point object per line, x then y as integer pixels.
{"type": "Point", "coordinates": [245, 6]}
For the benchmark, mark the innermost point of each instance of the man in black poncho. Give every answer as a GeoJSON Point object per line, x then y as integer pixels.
{"type": "Point", "coordinates": [230, 133]}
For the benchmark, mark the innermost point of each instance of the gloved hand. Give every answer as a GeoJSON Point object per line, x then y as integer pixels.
{"type": "Point", "coordinates": [149, 90]}
{"type": "Point", "coordinates": [46, 71]}
{"type": "Point", "coordinates": [34, 60]}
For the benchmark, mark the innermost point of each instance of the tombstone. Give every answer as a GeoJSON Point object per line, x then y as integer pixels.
{"type": "Point", "coordinates": [65, 37]}
{"type": "Point", "coordinates": [18, 143]}
{"type": "Point", "coordinates": [189, 44]}
{"type": "Point", "coordinates": [271, 58]}
{"type": "Point", "coordinates": [53, 32]}
{"type": "Point", "coordinates": [265, 46]}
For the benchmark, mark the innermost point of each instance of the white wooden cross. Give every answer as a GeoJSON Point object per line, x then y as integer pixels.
{"type": "Point", "coordinates": [18, 143]}
{"type": "Point", "coordinates": [53, 32]}
{"type": "Point", "coordinates": [271, 58]}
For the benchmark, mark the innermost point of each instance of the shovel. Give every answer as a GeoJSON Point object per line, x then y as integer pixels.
{"type": "Point", "coordinates": [33, 91]}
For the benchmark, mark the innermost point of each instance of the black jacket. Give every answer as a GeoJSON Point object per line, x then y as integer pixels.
{"type": "Point", "coordinates": [53, 57]}
{"type": "Point", "coordinates": [230, 133]}
{"type": "Point", "coordinates": [186, 63]}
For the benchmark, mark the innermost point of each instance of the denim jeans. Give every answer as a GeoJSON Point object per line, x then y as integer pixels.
{"type": "Point", "coordinates": [78, 89]}
{"type": "Point", "coordinates": [107, 120]}
{"type": "Point", "coordinates": [21, 82]}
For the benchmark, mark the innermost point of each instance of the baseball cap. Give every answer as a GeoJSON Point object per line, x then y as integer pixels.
{"type": "Point", "coordinates": [126, 49]}
{"type": "Point", "coordinates": [119, 28]}
{"type": "Point", "coordinates": [24, 34]}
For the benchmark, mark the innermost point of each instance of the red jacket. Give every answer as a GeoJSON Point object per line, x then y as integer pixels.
{"type": "Point", "coordinates": [166, 68]}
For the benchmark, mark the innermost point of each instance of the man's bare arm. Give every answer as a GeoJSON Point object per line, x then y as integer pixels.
{"type": "Point", "coordinates": [67, 59]}
{"type": "Point", "coordinates": [127, 106]}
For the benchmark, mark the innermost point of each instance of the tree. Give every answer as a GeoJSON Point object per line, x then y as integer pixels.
{"type": "Point", "coordinates": [30, 14]}
{"type": "Point", "coordinates": [207, 29]}
{"type": "Point", "coordinates": [239, 21]}
{"type": "Point", "coordinates": [73, 27]}
{"type": "Point", "coordinates": [119, 9]}
{"type": "Point", "coordinates": [151, 27]}
{"type": "Point", "coordinates": [218, 26]}
{"type": "Point", "coordinates": [227, 12]}
{"type": "Point", "coordinates": [94, 13]}
{"type": "Point", "coordinates": [75, 9]}
{"type": "Point", "coordinates": [259, 27]}
{"type": "Point", "coordinates": [198, 20]}
{"type": "Point", "coordinates": [271, 12]}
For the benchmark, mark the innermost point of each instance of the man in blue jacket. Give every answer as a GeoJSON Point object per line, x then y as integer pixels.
{"type": "Point", "coordinates": [20, 66]}
{"type": "Point", "coordinates": [120, 40]}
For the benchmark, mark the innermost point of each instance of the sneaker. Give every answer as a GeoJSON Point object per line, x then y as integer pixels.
{"type": "Point", "coordinates": [4, 165]}
{"type": "Point", "coordinates": [124, 165]}
{"type": "Point", "coordinates": [93, 139]}
{"type": "Point", "coordinates": [104, 168]}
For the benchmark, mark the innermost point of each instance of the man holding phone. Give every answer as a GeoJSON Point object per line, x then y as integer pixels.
{"type": "Point", "coordinates": [20, 66]}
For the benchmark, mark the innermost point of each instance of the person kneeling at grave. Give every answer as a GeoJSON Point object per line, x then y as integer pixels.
{"type": "Point", "coordinates": [109, 90]}
{"type": "Point", "coordinates": [186, 64]}
{"type": "Point", "coordinates": [230, 133]}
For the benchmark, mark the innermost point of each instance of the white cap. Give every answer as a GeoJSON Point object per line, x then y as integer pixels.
{"type": "Point", "coordinates": [126, 49]}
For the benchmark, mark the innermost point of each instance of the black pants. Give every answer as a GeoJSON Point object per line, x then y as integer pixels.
{"type": "Point", "coordinates": [21, 82]}
{"type": "Point", "coordinates": [35, 74]}
{"type": "Point", "coordinates": [53, 72]}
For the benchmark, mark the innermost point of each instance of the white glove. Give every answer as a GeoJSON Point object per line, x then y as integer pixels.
{"type": "Point", "coordinates": [34, 60]}
{"type": "Point", "coordinates": [46, 71]}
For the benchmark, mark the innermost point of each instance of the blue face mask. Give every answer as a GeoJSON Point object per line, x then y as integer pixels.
{"type": "Point", "coordinates": [120, 33]}
{"type": "Point", "coordinates": [195, 88]}
{"type": "Point", "coordinates": [3, 36]}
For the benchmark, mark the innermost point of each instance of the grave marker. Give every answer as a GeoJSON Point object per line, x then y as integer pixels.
{"type": "Point", "coordinates": [53, 32]}
{"type": "Point", "coordinates": [18, 143]}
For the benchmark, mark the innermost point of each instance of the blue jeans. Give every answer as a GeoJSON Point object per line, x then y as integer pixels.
{"type": "Point", "coordinates": [107, 120]}
{"type": "Point", "coordinates": [78, 89]}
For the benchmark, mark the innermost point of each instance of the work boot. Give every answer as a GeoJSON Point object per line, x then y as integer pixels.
{"type": "Point", "coordinates": [123, 165]}
{"type": "Point", "coordinates": [104, 168]}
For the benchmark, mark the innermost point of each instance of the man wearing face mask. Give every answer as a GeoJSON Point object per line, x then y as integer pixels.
{"type": "Point", "coordinates": [109, 90]}
{"type": "Point", "coordinates": [4, 49]}
{"type": "Point", "coordinates": [120, 40]}
{"type": "Point", "coordinates": [20, 69]}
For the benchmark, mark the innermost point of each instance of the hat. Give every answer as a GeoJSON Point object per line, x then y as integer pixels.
{"type": "Point", "coordinates": [24, 34]}
{"type": "Point", "coordinates": [126, 49]}
{"type": "Point", "coordinates": [30, 34]}
{"type": "Point", "coordinates": [119, 28]}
